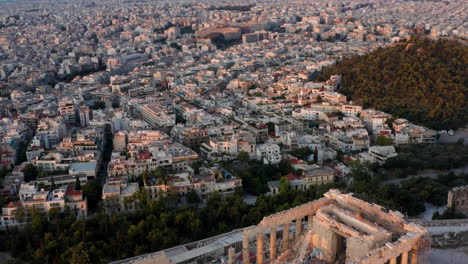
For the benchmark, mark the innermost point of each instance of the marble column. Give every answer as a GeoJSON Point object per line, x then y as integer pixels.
{"type": "Point", "coordinates": [414, 257]}
{"type": "Point", "coordinates": [393, 261]}
{"type": "Point", "coordinates": [309, 220]}
{"type": "Point", "coordinates": [231, 255]}
{"type": "Point", "coordinates": [260, 247]}
{"type": "Point", "coordinates": [404, 258]}
{"type": "Point", "coordinates": [285, 237]}
{"type": "Point", "coordinates": [273, 243]}
{"type": "Point", "coordinates": [245, 250]}
{"type": "Point", "coordinates": [298, 229]}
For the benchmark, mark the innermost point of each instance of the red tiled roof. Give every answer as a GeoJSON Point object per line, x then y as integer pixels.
{"type": "Point", "coordinates": [296, 161]}
{"type": "Point", "coordinates": [72, 192]}
{"type": "Point", "coordinates": [291, 176]}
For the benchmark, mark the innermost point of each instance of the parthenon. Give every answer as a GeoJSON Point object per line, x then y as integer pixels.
{"type": "Point", "coordinates": [338, 228]}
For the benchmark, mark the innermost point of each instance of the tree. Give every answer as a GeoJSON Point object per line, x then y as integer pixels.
{"type": "Point", "coordinates": [192, 197]}
{"type": "Point", "coordinates": [285, 167]}
{"type": "Point", "coordinates": [98, 105]}
{"type": "Point", "coordinates": [160, 175]}
{"type": "Point", "coordinates": [196, 166]}
{"type": "Point", "coordinates": [92, 192]}
{"type": "Point", "coordinates": [77, 183]}
{"type": "Point", "coordinates": [4, 171]}
{"type": "Point", "coordinates": [243, 156]}
{"type": "Point", "coordinates": [283, 185]}
{"type": "Point", "coordinates": [315, 155]}
{"type": "Point", "coordinates": [271, 127]}
{"type": "Point", "coordinates": [383, 140]}
{"type": "Point", "coordinates": [79, 255]}
{"type": "Point", "coordinates": [302, 153]}
{"type": "Point", "coordinates": [30, 173]}
{"type": "Point", "coordinates": [436, 67]}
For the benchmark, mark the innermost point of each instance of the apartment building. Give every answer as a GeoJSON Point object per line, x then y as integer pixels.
{"type": "Point", "coordinates": [118, 195]}
{"type": "Point", "coordinates": [269, 153]}
{"type": "Point", "coordinates": [68, 110]}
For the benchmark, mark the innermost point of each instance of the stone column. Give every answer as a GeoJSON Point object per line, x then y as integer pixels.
{"type": "Point", "coordinates": [245, 249]}
{"type": "Point", "coordinates": [298, 229]}
{"type": "Point", "coordinates": [309, 220]}
{"type": "Point", "coordinates": [404, 258]}
{"type": "Point", "coordinates": [273, 243]}
{"type": "Point", "coordinates": [260, 247]}
{"type": "Point", "coordinates": [285, 237]}
{"type": "Point", "coordinates": [393, 261]}
{"type": "Point", "coordinates": [414, 257]}
{"type": "Point", "coordinates": [231, 255]}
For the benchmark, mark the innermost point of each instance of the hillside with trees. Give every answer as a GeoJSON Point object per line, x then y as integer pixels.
{"type": "Point", "coordinates": [423, 80]}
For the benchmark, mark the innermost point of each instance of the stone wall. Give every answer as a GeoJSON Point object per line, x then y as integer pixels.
{"type": "Point", "coordinates": [450, 240]}
{"type": "Point", "coordinates": [450, 233]}
{"type": "Point", "coordinates": [458, 197]}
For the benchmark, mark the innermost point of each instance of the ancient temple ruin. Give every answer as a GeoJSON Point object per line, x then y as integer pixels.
{"type": "Point", "coordinates": [338, 228]}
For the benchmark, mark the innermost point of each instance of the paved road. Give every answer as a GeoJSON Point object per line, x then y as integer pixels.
{"type": "Point", "coordinates": [445, 138]}
{"type": "Point", "coordinates": [448, 256]}
{"type": "Point", "coordinates": [429, 174]}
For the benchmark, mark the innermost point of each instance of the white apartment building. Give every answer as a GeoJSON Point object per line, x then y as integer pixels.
{"type": "Point", "coordinates": [309, 114]}
{"type": "Point", "coordinates": [51, 131]}
{"type": "Point", "coordinates": [269, 153]}
{"type": "Point", "coordinates": [373, 119]}
{"type": "Point", "coordinates": [350, 109]}
{"type": "Point", "coordinates": [378, 154]}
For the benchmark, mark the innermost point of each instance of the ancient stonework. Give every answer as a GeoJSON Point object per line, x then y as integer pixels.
{"type": "Point", "coordinates": [339, 228]}
{"type": "Point", "coordinates": [458, 197]}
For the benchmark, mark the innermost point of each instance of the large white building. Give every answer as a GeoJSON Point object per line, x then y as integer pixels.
{"type": "Point", "coordinates": [51, 131]}
{"type": "Point", "coordinates": [374, 119]}
{"type": "Point", "coordinates": [269, 153]}
{"type": "Point", "coordinates": [378, 154]}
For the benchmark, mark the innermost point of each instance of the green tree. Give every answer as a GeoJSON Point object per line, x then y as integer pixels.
{"type": "Point", "coordinates": [383, 140]}
{"type": "Point", "coordinates": [284, 167]}
{"type": "Point", "coordinates": [30, 173]}
{"type": "Point", "coordinates": [79, 255]}
{"type": "Point", "coordinates": [436, 67]}
{"type": "Point", "coordinates": [192, 197]}
{"type": "Point", "coordinates": [92, 192]}
{"type": "Point", "coordinates": [284, 185]}
{"type": "Point", "coordinates": [302, 153]}
{"type": "Point", "coordinates": [315, 155]}
{"type": "Point", "coordinates": [98, 105]}
{"type": "Point", "coordinates": [196, 166]}
{"type": "Point", "coordinates": [243, 156]}
{"type": "Point", "coordinates": [271, 127]}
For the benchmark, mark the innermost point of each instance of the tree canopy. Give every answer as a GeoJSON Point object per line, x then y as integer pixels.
{"type": "Point", "coordinates": [423, 80]}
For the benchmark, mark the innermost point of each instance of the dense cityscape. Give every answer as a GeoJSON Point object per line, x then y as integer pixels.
{"type": "Point", "coordinates": [178, 131]}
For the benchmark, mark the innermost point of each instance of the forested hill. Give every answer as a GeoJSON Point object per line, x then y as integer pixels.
{"type": "Point", "coordinates": [423, 80]}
